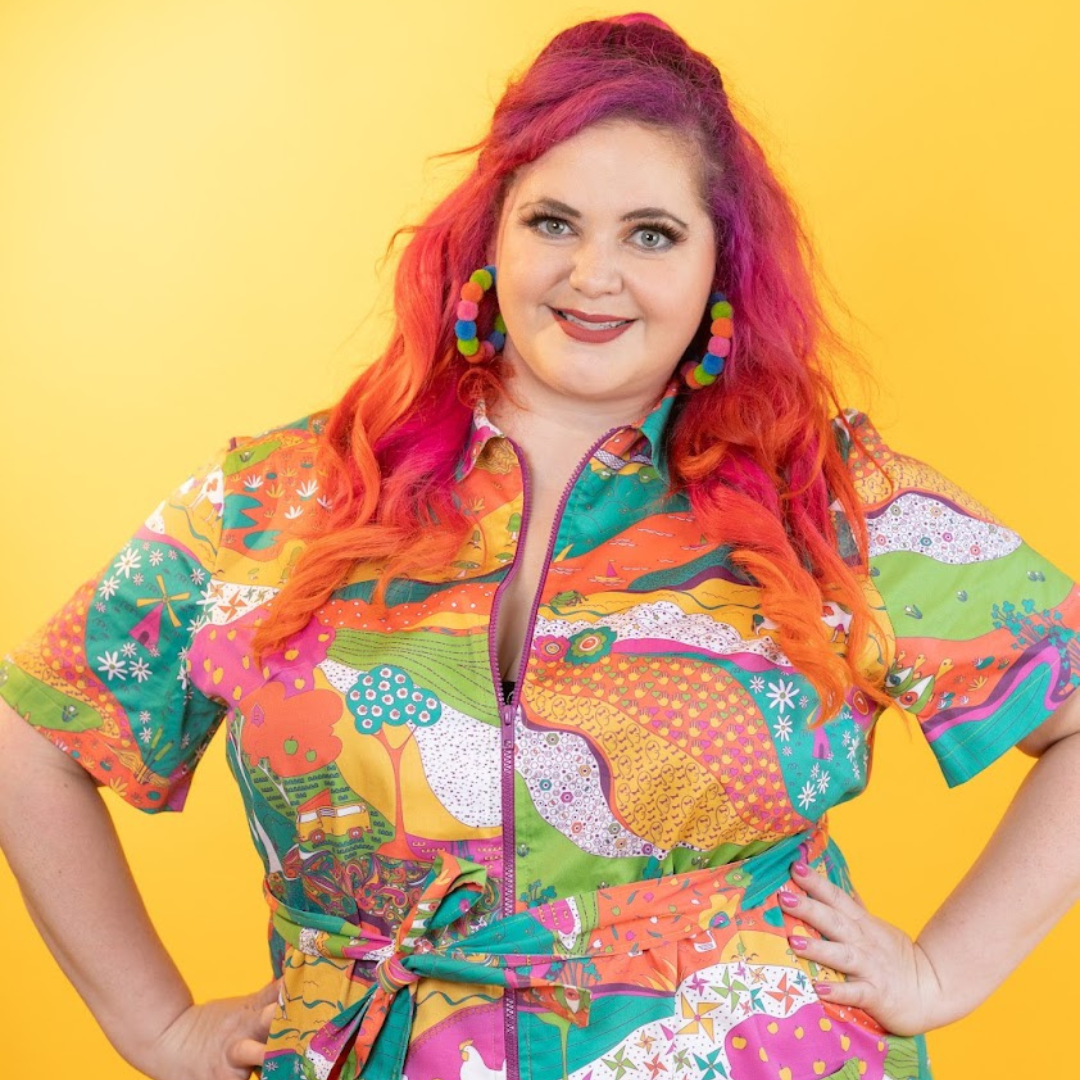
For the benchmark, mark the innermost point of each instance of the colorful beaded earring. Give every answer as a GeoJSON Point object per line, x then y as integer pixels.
{"type": "Point", "coordinates": [704, 372]}
{"type": "Point", "coordinates": [468, 344]}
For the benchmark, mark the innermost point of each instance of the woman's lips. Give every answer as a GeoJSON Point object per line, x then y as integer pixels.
{"type": "Point", "coordinates": [576, 324]}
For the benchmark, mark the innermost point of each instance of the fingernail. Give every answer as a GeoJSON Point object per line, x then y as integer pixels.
{"type": "Point", "coordinates": [788, 899]}
{"type": "Point", "coordinates": [822, 989]}
{"type": "Point", "coordinates": [797, 942]}
{"type": "Point", "coordinates": [800, 869]}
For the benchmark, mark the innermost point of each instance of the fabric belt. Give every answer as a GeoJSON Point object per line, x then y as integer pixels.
{"type": "Point", "coordinates": [554, 948]}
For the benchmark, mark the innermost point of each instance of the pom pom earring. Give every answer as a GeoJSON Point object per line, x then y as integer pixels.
{"type": "Point", "coordinates": [468, 343]}
{"type": "Point", "coordinates": [705, 371]}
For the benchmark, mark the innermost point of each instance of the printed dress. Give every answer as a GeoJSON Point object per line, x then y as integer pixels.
{"type": "Point", "coordinates": [580, 882]}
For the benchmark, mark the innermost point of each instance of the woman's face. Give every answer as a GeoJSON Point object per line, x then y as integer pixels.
{"type": "Point", "coordinates": [605, 256]}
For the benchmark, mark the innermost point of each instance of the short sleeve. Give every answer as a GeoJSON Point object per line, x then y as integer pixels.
{"type": "Point", "coordinates": [107, 678]}
{"type": "Point", "coordinates": [986, 629]}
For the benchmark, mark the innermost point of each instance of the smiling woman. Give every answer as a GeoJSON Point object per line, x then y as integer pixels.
{"type": "Point", "coordinates": [544, 655]}
{"type": "Point", "coordinates": [606, 240]}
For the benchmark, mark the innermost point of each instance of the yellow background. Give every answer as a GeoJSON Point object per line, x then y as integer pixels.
{"type": "Point", "coordinates": [194, 197]}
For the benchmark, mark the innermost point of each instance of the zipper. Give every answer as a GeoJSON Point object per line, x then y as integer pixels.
{"type": "Point", "coordinates": [508, 710]}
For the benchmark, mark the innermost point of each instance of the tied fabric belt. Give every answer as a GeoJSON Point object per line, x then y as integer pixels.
{"type": "Point", "coordinates": [554, 950]}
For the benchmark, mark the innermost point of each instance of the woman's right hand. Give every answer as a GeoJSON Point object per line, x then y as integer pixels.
{"type": "Point", "coordinates": [217, 1040]}
{"type": "Point", "coordinates": [72, 861]}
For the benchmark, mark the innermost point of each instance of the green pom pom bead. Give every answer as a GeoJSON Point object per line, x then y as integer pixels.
{"type": "Point", "coordinates": [482, 278]}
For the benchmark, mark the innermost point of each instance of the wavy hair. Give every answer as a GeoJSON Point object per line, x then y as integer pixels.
{"type": "Point", "coordinates": [754, 454]}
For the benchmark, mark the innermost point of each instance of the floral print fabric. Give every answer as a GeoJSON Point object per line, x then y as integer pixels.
{"type": "Point", "coordinates": [461, 887]}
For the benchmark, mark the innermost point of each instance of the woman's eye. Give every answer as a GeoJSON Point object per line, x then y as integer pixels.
{"type": "Point", "coordinates": [653, 239]}
{"type": "Point", "coordinates": [551, 227]}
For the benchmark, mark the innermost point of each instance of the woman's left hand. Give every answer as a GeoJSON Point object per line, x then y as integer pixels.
{"type": "Point", "coordinates": [888, 975]}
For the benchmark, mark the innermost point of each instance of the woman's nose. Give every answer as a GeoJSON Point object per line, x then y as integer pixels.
{"type": "Point", "coordinates": [595, 270]}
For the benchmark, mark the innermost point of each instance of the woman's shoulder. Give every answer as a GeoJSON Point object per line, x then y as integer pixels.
{"type": "Point", "coordinates": [299, 436]}
{"type": "Point", "coordinates": [272, 488]}
{"type": "Point", "coordinates": [883, 475]}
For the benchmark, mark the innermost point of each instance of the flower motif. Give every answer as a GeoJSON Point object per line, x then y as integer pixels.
{"type": "Point", "coordinates": [781, 695]}
{"type": "Point", "coordinates": [129, 560]}
{"type": "Point", "coordinates": [113, 666]}
{"type": "Point", "coordinates": [107, 589]}
{"type": "Point", "coordinates": [757, 684]}
{"type": "Point", "coordinates": [808, 796]}
{"type": "Point", "coordinates": [782, 730]}
{"type": "Point", "coordinates": [549, 647]}
{"type": "Point", "coordinates": [588, 646]}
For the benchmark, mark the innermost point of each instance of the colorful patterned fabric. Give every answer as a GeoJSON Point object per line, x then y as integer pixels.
{"type": "Point", "coordinates": [581, 883]}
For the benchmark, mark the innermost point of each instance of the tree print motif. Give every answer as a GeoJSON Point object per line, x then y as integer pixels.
{"type": "Point", "coordinates": [386, 703]}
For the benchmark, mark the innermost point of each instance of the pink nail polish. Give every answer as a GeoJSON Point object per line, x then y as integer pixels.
{"type": "Point", "coordinates": [822, 989]}
{"type": "Point", "coordinates": [800, 869]}
{"type": "Point", "coordinates": [788, 899]}
{"type": "Point", "coordinates": [797, 942]}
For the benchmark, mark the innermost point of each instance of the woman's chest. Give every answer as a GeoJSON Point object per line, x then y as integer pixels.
{"type": "Point", "coordinates": [654, 711]}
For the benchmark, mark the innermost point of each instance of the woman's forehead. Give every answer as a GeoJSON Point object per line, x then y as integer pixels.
{"type": "Point", "coordinates": [614, 162]}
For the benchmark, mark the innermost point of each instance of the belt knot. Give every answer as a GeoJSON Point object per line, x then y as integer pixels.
{"type": "Point", "coordinates": [392, 974]}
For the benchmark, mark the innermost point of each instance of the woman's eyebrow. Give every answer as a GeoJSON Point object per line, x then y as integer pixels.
{"type": "Point", "coordinates": [553, 205]}
{"type": "Point", "coordinates": [653, 212]}
{"type": "Point", "coordinates": [564, 210]}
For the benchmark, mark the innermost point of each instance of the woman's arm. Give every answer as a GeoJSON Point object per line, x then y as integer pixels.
{"type": "Point", "coordinates": [1027, 877]}
{"type": "Point", "coordinates": [81, 895]}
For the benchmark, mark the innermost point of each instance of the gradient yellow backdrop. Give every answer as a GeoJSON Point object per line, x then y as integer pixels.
{"type": "Point", "coordinates": [194, 197]}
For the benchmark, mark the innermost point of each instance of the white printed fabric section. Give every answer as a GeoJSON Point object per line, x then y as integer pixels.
{"type": "Point", "coordinates": [730, 1020]}
{"type": "Point", "coordinates": [923, 525]}
{"type": "Point", "coordinates": [564, 782]}
{"type": "Point", "coordinates": [452, 755]}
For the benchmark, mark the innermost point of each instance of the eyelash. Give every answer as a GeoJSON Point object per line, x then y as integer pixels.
{"type": "Point", "coordinates": [671, 234]}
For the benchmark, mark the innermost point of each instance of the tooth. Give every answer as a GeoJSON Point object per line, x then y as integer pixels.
{"type": "Point", "coordinates": [593, 325]}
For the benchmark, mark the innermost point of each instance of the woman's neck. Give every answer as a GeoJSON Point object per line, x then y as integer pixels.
{"type": "Point", "coordinates": [553, 429]}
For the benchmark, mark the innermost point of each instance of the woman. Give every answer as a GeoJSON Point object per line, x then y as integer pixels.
{"type": "Point", "coordinates": [544, 653]}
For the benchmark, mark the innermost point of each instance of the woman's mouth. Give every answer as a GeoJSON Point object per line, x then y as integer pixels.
{"type": "Point", "coordinates": [582, 326]}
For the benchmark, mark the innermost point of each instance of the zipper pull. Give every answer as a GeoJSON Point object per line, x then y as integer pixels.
{"type": "Point", "coordinates": [507, 712]}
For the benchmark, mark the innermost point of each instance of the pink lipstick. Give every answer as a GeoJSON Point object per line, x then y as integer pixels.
{"type": "Point", "coordinates": [582, 326]}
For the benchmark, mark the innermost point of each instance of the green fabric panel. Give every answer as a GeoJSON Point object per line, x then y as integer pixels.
{"type": "Point", "coordinates": [923, 597]}
{"type": "Point", "coordinates": [43, 706]}
{"type": "Point", "coordinates": [964, 750]}
{"type": "Point", "coordinates": [456, 667]}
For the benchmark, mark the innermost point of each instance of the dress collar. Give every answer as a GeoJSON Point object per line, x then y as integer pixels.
{"type": "Point", "coordinates": [649, 427]}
